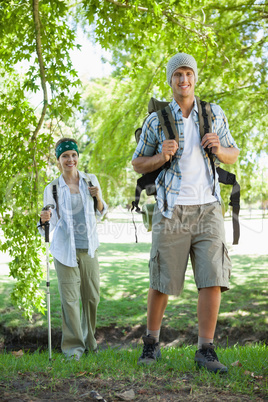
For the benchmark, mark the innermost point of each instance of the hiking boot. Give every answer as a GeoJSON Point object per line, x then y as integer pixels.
{"type": "Point", "coordinates": [72, 357]}
{"type": "Point", "coordinates": [206, 357]}
{"type": "Point", "coordinates": [151, 351]}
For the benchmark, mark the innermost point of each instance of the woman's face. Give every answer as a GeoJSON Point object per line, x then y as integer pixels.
{"type": "Point", "coordinates": [68, 161]}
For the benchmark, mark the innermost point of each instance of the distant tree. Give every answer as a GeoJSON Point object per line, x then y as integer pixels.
{"type": "Point", "coordinates": [39, 34]}
{"type": "Point", "coordinates": [229, 41]}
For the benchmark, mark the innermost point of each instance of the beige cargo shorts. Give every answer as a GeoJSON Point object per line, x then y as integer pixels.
{"type": "Point", "coordinates": [196, 231]}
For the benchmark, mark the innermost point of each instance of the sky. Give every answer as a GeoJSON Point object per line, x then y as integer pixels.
{"type": "Point", "coordinates": [87, 61]}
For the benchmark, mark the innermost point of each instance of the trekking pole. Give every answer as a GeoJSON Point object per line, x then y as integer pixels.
{"type": "Point", "coordinates": [46, 225]}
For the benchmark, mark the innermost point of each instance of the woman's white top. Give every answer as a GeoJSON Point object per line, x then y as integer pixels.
{"type": "Point", "coordinates": [63, 241]}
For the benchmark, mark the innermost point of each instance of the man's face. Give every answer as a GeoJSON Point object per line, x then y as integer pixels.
{"type": "Point", "coordinates": [183, 83]}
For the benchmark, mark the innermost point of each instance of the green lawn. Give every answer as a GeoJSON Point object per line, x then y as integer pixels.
{"type": "Point", "coordinates": [124, 285]}
{"type": "Point", "coordinates": [112, 370]}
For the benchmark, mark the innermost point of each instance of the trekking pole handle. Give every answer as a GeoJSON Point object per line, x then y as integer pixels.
{"type": "Point", "coordinates": [46, 224]}
{"type": "Point", "coordinates": [47, 207]}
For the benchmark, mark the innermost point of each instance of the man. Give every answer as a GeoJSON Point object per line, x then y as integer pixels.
{"type": "Point", "coordinates": [188, 217]}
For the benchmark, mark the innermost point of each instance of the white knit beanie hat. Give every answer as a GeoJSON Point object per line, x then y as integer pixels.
{"type": "Point", "coordinates": [181, 60]}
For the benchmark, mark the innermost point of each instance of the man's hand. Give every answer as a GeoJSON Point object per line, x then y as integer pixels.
{"type": "Point", "coordinates": [212, 141]}
{"type": "Point", "coordinates": [225, 155]}
{"type": "Point", "coordinates": [147, 164]}
{"type": "Point", "coordinates": [169, 148]}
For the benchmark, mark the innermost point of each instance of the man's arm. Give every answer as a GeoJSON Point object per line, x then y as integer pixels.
{"type": "Point", "coordinates": [225, 155]}
{"type": "Point", "coordinates": [147, 164]}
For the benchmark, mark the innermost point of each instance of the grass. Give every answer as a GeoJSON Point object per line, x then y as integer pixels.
{"type": "Point", "coordinates": [175, 369]}
{"type": "Point", "coordinates": [124, 285]}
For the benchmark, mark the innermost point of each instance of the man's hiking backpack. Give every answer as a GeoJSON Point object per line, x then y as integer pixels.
{"type": "Point", "coordinates": [147, 181]}
{"type": "Point", "coordinates": [55, 183]}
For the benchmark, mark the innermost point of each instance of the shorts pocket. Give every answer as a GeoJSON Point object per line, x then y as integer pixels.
{"type": "Point", "coordinates": [226, 262]}
{"type": "Point", "coordinates": [154, 268]}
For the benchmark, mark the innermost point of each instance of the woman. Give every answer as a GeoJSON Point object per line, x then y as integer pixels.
{"type": "Point", "coordinates": [74, 247]}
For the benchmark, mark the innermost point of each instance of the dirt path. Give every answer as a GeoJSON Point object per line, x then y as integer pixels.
{"type": "Point", "coordinates": [86, 388]}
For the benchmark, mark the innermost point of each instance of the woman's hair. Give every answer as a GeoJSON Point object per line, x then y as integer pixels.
{"type": "Point", "coordinates": [58, 143]}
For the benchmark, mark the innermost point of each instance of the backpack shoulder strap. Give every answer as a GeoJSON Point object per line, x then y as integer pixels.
{"type": "Point", "coordinates": [204, 116]}
{"type": "Point", "coordinates": [230, 178]}
{"type": "Point", "coordinates": [55, 184]}
{"type": "Point", "coordinates": [89, 183]}
{"type": "Point", "coordinates": [168, 124]}
{"type": "Point", "coordinates": [205, 126]}
{"type": "Point", "coordinates": [165, 117]}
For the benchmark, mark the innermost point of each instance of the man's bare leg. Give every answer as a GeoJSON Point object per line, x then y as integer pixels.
{"type": "Point", "coordinates": [209, 300]}
{"type": "Point", "coordinates": [208, 306]}
{"type": "Point", "coordinates": [156, 306]}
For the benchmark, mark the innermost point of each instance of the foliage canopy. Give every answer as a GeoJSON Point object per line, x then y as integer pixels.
{"type": "Point", "coordinates": [228, 40]}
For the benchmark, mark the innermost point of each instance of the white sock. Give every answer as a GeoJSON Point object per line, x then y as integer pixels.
{"type": "Point", "coordinates": [155, 334]}
{"type": "Point", "coordinates": [203, 340]}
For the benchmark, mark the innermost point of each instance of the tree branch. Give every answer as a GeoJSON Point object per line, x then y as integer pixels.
{"type": "Point", "coordinates": [37, 29]}
{"type": "Point", "coordinates": [235, 91]}
{"type": "Point", "coordinates": [166, 14]}
{"type": "Point", "coordinates": [174, 21]}
{"type": "Point", "coordinates": [75, 4]}
{"type": "Point", "coordinates": [41, 65]}
{"type": "Point", "coordinates": [126, 5]}
{"type": "Point", "coordinates": [255, 45]}
{"type": "Point", "coordinates": [145, 93]}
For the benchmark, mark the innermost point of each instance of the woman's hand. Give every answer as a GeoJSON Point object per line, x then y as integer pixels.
{"type": "Point", "coordinates": [94, 192]}
{"type": "Point", "coordinates": [45, 216]}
